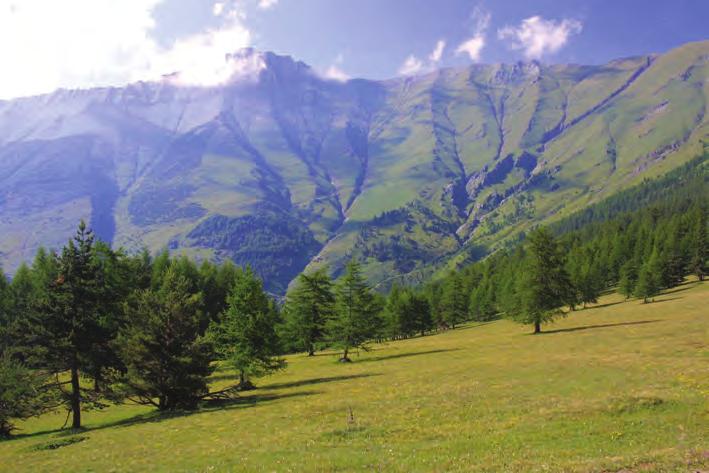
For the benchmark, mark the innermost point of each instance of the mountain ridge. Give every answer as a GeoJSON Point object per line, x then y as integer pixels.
{"type": "Point", "coordinates": [289, 171]}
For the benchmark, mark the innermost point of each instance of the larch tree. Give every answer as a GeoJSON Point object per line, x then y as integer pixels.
{"type": "Point", "coordinates": [167, 360]}
{"type": "Point", "coordinates": [309, 307]}
{"type": "Point", "coordinates": [245, 336]}
{"type": "Point", "coordinates": [357, 309]}
{"type": "Point", "coordinates": [545, 287]}
{"type": "Point", "coordinates": [66, 327]}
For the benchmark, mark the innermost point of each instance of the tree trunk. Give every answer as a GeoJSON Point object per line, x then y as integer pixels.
{"type": "Point", "coordinates": [537, 327]}
{"type": "Point", "coordinates": [345, 358]}
{"type": "Point", "coordinates": [75, 397]}
{"type": "Point", "coordinates": [311, 350]}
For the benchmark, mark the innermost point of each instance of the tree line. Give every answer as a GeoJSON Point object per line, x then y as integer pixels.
{"type": "Point", "coordinates": [90, 325]}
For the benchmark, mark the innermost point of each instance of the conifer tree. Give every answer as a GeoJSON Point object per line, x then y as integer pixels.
{"type": "Point", "coordinates": [628, 278]}
{"type": "Point", "coordinates": [546, 286]}
{"type": "Point", "coordinates": [24, 393]}
{"type": "Point", "coordinates": [167, 361]}
{"type": "Point", "coordinates": [648, 284]}
{"type": "Point", "coordinates": [65, 328]}
{"type": "Point", "coordinates": [418, 307]}
{"type": "Point", "coordinates": [454, 302]}
{"type": "Point", "coordinates": [698, 242]}
{"type": "Point", "coordinates": [308, 309]}
{"type": "Point", "coordinates": [356, 312]}
{"type": "Point", "coordinates": [245, 336]}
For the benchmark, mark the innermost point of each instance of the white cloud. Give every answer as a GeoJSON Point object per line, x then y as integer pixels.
{"type": "Point", "coordinates": [437, 52]}
{"type": "Point", "coordinates": [474, 45]}
{"type": "Point", "coordinates": [218, 8]}
{"type": "Point", "coordinates": [47, 44]}
{"type": "Point", "coordinates": [208, 58]}
{"type": "Point", "coordinates": [266, 4]}
{"type": "Point", "coordinates": [335, 72]}
{"type": "Point", "coordinates": [537, 36]}
{"type": "Point", "coordinates": [411, 66]}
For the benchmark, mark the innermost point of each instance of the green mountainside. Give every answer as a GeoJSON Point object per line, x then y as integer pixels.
{"type": "Point", "coordinates": [288, 171]}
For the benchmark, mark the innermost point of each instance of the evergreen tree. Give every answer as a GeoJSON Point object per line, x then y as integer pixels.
{"type": "Point", "coordinates": [392, 312]}
{"type": "Point", "coordinates": [418, 307]}
{"type": "Point", "coordinates": [628, 278]}
{"type": "Point", "coordinates": [648, 284]}
{"type": "Point", "coordinates": [482, 300]}
{"type": "Point", "coordinates": [356, 312]}
{"type": "Point", "coordinates": [66, 328]}
{"type": "Point", "coordinates": [454, 302]}
{"type": "Point", "coordinates": [309, 307]}
{"type": "Point", "coordinates": [167, 361]}
{"type": "Point", "coordinates": [245, 336]}
{"type": "Point", "coordinates": [24, 393]}
{"type": "Point", "coordinates": [698, 242]}
{"type": "Point", "coordinates": [546, 287]}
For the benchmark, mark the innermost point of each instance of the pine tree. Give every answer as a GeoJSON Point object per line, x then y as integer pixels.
{"type": "Point", "coordinates": [420, 310]}
{"type": "Point", "coordinates": [66, 328]}
{"type": "Point", "coordinates": [24, 393]}
{"type": "Point", "coordinates": [628, 278]}
{"type": "Point", "coordinates": [546, 286]}
{"type": "Point", "coordinates": [356, 312]}
{"type": "Point", "coordinates": [454, 302]}
{"type": "Point", "coordinates": [245, 336]}
{"type": "Point", "coordinates": [308, 309]}
{"type": "Point", "coordinates": [698, 242]}
{"type": "Point", "coordinates": [167, 361]}
{"type": "Point", "coordinates": [482, 300]}
{"type": "Point", "coordinates": [648, 284]}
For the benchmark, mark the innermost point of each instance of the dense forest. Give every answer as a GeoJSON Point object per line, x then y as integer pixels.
{"type": "Point", "coordinates": [91, 325]}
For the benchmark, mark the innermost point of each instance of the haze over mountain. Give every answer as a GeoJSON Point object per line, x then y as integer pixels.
{"type": "Point", "coordinates": [282, 169]}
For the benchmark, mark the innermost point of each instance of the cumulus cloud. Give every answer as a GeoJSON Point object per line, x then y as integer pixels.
{"type": "Point", "coordinates": [474, 45]}
{"type": "Point", "coordinates": [335, 72]}
{"type": "Point", "coordinates": [537, 37]}
{"type": "Point", "coordinates": [266, 4]}
{"type": "Point", "coordinates": [411, 66]}
{"type": "Point", "coordinates": [437, 52]}
{"type": "Point", "coordinates": [47, 44]}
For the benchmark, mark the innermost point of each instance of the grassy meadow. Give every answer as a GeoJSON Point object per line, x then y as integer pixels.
{"type": "Point", "coordinates": [619, 386]}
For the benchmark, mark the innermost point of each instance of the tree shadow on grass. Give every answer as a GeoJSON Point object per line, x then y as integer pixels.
{"type": "Point", "coordinates": [307, 382]}
{"type": "Point", "coordinates": [600, 306]}
{"type": "Point", "coordinates": [664, 299]}
{"type": "Point", "coordinates": [479, 324]}
{"type": "Point", "coordinates": [238, 402]}
{"type": "Point", "coordinates": [405, 355]}
{"type": "Point", "coordinates": [683, 287]}
{"type": "Point", "coordinates": [589, 327]}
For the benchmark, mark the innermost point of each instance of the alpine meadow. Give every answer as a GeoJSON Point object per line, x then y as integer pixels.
{"type": "Point", "coordinates": [454, 237]}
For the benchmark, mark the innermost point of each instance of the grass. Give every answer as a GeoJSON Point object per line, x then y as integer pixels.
{"type": "Point", "coordinates": [619, 386]}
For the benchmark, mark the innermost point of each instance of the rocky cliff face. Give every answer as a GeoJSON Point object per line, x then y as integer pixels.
{"type": "Point", "coordinates": [280, 169]}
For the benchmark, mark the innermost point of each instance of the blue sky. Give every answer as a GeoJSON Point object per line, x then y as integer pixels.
{"type": "Point", "coordinates": [46, 44]}
{"type": "Point", "coordinates": [375, 37]}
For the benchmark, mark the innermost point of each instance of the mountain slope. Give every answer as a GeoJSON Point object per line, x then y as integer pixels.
{"type": "Point", "coordinates": [283, 170]}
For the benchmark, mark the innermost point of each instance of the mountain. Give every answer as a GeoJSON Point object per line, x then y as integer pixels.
{"type": "Point", "coordinates": [283, 170]}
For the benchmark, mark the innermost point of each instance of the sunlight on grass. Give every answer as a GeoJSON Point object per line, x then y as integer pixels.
{"type": "Point", "coordinates": [618, 386]}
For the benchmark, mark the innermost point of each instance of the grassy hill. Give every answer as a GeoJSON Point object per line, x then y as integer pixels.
{"type": "Point", "coordinates": [619, 386]}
